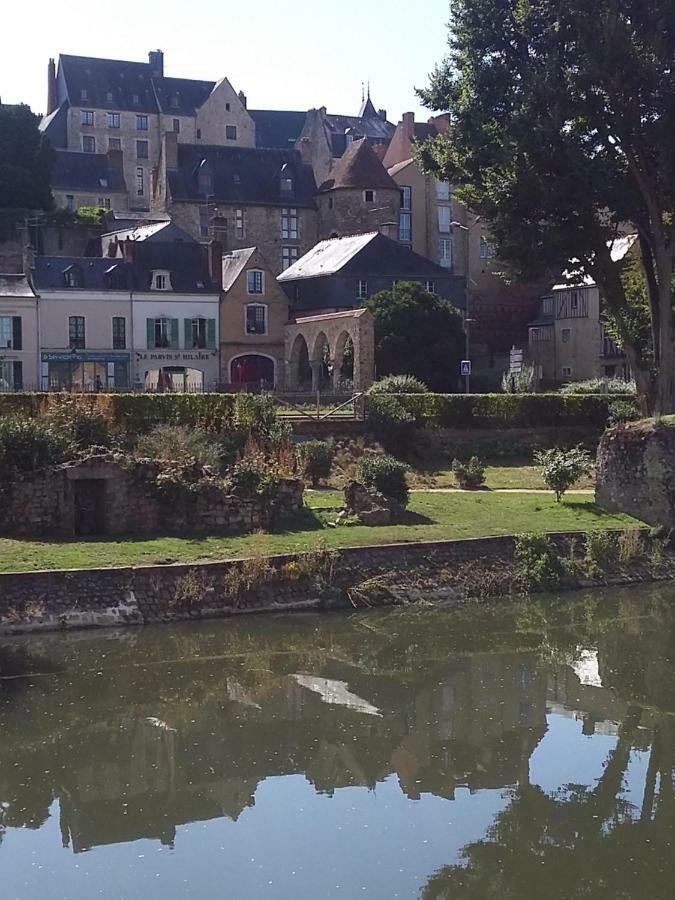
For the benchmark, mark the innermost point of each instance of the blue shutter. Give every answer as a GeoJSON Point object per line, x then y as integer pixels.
{"type": "Point", "coordinates": [175, 341]}
{"type": "Point", "coordinates": [211, 334]}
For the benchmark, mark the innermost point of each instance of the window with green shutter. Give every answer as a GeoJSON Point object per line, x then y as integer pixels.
{"type": "Point", "coordinates": [175, 340]}
{"type": "Point", "coordinates": [211, 334]}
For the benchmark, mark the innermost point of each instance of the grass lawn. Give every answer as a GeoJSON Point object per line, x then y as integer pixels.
{"type": "Point", "coordinates": [433, 517]}
{"type": "Point", "coordinates": [521, 477]}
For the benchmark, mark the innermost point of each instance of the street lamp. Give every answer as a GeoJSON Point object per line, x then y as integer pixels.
{"type": "Point", "coordinates": [468, 322]}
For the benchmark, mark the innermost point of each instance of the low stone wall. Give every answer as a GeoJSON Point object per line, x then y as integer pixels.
{"type": "Point", "coordinates": [354, 577]}
{"type": "Point", "coordinates": [636, 472]}
{"type": "Point", "coordinates": [109, 495]}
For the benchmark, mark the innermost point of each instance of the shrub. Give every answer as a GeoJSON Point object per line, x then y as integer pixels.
{"type": "Point", "coordinates": [316, 459]}
{"type": "Point", "coordinates": [470, 474]}
{"type": "Point", "coordinates": [399, 384]}
{"type": "Point", "coordinates": [621, 411]}
{"type": "Point", "coordinates": [390, 422]}
{"type": "Point", "coordinates": [85, 422]}
{"type": "Point", "coordinates": [252, 478]}
{"type": "Point", "coordinates": [600, 386]}
{"type": "Point", "coordinates": [255, 413]}
{"type": "Point", "coordinates": [562, 468]}
{"type": "Point", "coordinates": [387, 475]}
{"type": "Point", "coordinates": [539, 560]}
{"type": "Point", "coordinates": [523, 382]}
{"type": "Point", "coordinates": [178, 444]}
{"type": "Point", "coordinates": [602, 550]}
{"type": "Point", "coordinates": [29, 445]}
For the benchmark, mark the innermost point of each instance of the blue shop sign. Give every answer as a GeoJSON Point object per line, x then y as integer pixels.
{"type": "Point", "coordinates": [85, 357]}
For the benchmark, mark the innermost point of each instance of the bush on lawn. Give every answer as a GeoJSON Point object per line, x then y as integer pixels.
{"type": "Point", "coordinates": [316, 460]}
{"type": "Point", "coordinates": [390, 422]}
{"type": "Point", "coordinates": [29, 445]}
{"type": "Point", "coordinates": [387, 475]}
{"type": "Point", "coordinates": [600, 386]}
{"type": "Point", "coordinates": [563, 468]}
{"type": "Point", "coordinates": [469, 475]}
{"type": "Point", "coordinates": [178, 444]}
{"type": "Point", "coordinates": [399, 384]}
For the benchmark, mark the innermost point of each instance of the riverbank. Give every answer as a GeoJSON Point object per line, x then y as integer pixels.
{"type": "Point", "coordinates": [453, 571]}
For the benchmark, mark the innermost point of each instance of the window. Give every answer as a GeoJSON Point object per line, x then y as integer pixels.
{"type": "Point", "coordinates": [255, 282]}
{"type": "Point", "coordinates": [89, 143]}
{"type": "Point", "coordinates": [10, 332]}
{"type": "Point", "coordinates": [362, 291]}
{"type": "Point", "coordinates": [141, 149]}
{"type": "Point", "coordinates": [11, 375]}
{"type": "Point", "coordinates": [109, 97]}
{"type": "Point", "coordinates": [104, 203]}
{"type": "Point", "coordinates": [567, 371]}
{"type": "Point", "coordinates": [288, 256]}
{"type": "Point", "coordinates": [405, 227]}
{"type": "Point", "coordinates": [113, 120]}
{"type": "Point", "coordinates": [445, 253]}
{"type": "Point", "coordinates": [174, 101]}
{"type": "Point", "coordinates": [83, 94]}
{"type": "Point", "coordinates": [204, 181]}
{"type": "Point", "coordinates": [72, 277]}
{"type": "Point", "coordinates": [444, 219]}
{"type": "Point", "coordinates": [256, 319]}
{"type": "Point", "coordinates": [140, 182]}
{"type": "Point", "coordinates": [141, 123]}
{"type": "Point", "coordinates": [161, 332]}
{"type": "Point", "coordinates": [176, 126]}
{"type": "Point", "coordinates": [442, 191]}
{"type": "Point", "coordinates": [406, 198]}
{"type": "Point", "coordinates": [289, 223]}
{"type": "Point", "coordinates": [197, 335]}
{"type": "Point", "coordinates": [541, 334]}
{"type": "Point", "coordinates": [228, 107]}
{"type": "Point", "coordinates": [566, 334]}
{"type": "Point", "coordinates": [119, 333]}
{"type": "Point", "coordinates": [369, 196]}
{"type": "Point", "coordinates": [160, 281]}
{"type": "Point", "coordinates": [76, 332]}
{"type": "Point", "coordinates": [574, 301]}
{"type": "Point", "coordinates": [239, 228]}
{"type": "Point", "coordinates": [287, 185]}
{"type": "Point", "coordinates": [135, 99]}
{"type": "Point", "coordinates": [70, 203]}
{"type": "Point", "coordinates": [486, 251]}
{"type": "Point", "coordinates": [114, 144]}
{"type": "Point", "coordinates": [87, 116]}
{"type": "Point", "coordinates": [430, 287]}
{"type": "Point", "coordinates": [231, 132]}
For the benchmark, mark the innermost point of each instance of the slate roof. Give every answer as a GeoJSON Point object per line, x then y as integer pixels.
{"type": "Point", "coordinates": [359, 167]}
{"type": "Point", "coordinates": [115, 83]}
{"type": "Point", "coordinates": [371, 253]}
{"type": "Point", "coordinates": [233, 265]}
{"type": "Point", "coordinates": [156, 232]}
{"type": "Point", "coordinates": [277, 127]}
{"type": "Point", "coordinates": [15, 286]}
{"type": "Point", "coordinates": [55, 126]}
{"type": "Point", "coordinates": [74, 170]}
{"type": "Point", "coordinates": [246, 175]}
{"type": "Point", "coordinates": [186, 263]}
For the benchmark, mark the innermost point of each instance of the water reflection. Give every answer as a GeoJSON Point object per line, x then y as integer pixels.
{"type": "Point", "coordinates": [134, 736]}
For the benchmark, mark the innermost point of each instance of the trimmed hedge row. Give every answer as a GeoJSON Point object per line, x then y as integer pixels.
{"type": "Point", "coordinates": [508, 410]}
{"type": "Point", "coordinates": [133, 413]}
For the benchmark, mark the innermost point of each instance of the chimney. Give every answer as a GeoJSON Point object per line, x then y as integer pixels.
{"type": "Point", "coordinates": [382, 113]}
{"type": "Point", "coordinates": [170, 150]}
{"type": "Point", "coordinates": [51, 87]}
{"type": "Point", "coordinates": [409, 124]}
{"type": "Point", "coordinates": [28, 254]}
{"type": "Point", "coordinates": [215, 251]}
{"type": "Point", "coordinates": [389, 230]}
{"type": "Point", "coordinates": [128, 250]}
{"type": "Point", "coordinates": [244, 99]}
{"type": "Point", "coordinates": [156, 61]}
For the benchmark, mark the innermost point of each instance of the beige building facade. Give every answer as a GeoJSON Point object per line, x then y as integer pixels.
{"type": "Point", "coordinates": [19, 366]}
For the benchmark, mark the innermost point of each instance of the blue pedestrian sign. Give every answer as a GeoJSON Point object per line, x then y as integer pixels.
{"type": "Point", "coordinates": [466, 367]}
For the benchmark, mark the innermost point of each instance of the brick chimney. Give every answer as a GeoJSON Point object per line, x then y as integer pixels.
{"type": "Point", "coordinates": [382, 113]}
{"type": "Point", "coordinates": [244, 99]}
{"type": "Point", "coordinates": [215, 251]}
{"type": "Point", "coordinates": [128, 250]}
{"type": "Point", "coordinates": [156, 61]}
{"type": "Point", "coordinates": [409, 124]}
{"type": "Point", "coordinates": [51, 86]}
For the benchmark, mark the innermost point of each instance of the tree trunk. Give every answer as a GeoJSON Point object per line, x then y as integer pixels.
{"type": "Point", "coordinates": [665, 384]}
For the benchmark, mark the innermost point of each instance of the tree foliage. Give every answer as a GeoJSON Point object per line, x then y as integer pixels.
{"type": "Point", "coordinates": [561, 136]}
{"type": "Point", "coordinates": [26, 160]}
{"type": "Point", "coordinates": [417, 333]}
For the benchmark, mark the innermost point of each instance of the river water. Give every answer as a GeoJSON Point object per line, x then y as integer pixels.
{"type": "Point", "coordinates": [513, 752]}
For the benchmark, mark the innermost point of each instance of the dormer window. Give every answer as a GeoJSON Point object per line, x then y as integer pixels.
{"type": "Point", "coordinates": [134, 99]}
{"type": "Point", "coordinates": [161, 280]}
{"type": "Point", "coordinates": [174, 101]}
{"type": "Point", "coordinates": [72, 277]}
{"type": "Point", "coordinates": [83, 94]}
{"type": "Point", "coordinates": [116, 278]}
{"type": "Point", "coordinates": [286, 178]}
{"type": "Point", "coordinates": [204, 178]}
{"type": "Point", "coordinates": [109, 97]}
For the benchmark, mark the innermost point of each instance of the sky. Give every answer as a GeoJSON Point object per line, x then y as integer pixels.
{"type": "Point", "coordinates": [297, 54]}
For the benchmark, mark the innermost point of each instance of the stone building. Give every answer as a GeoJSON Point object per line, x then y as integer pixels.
{"type": "Point", "coordinates": [97, 105]}
{"type": "Point", "coordinates": [240, 197]}
{"type": "Point", "coordinates": [18, 333]}
{"type": "Point", "coordinates": [359, 195]}
{"type": "Point", "coordinates": [253, 317]}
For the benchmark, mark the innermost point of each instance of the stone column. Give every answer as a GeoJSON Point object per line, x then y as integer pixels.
{"type": "Point", "coordinates": [316, 373]}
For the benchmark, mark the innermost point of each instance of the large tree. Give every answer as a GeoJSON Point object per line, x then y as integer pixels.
{"type": "Point", "coordinates": [562, 135]}
{"type": "Point", "coordinates": [26, 160]}
{"type": "Point", "coordinates": [417, 333]}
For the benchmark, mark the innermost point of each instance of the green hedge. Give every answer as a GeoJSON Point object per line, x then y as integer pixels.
{"type": "Point", "coordinates": [133, 413]}
{"type": "Point", "coordinates": [507, 410]}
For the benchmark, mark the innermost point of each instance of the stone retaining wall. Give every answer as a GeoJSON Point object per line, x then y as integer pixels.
{"type": "Point", "coordinates": [134, 596]}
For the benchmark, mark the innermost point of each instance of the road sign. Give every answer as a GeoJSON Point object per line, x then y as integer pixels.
{"type": "Point", "coordinates": [466, 367]}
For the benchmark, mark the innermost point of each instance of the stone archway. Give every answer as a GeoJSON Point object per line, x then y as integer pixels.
{"type": "Point", "coordinates": [299, 370]}
{"type": "Point", "coordinates": [351, 330]}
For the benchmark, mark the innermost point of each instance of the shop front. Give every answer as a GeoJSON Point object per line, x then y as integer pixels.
{"type": "Point", "coordinates": [79, 370]}
{"type": "Point", "coordinates": [176, 370]}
